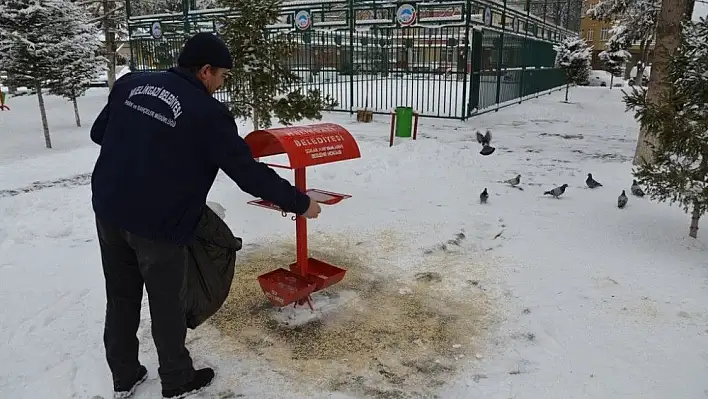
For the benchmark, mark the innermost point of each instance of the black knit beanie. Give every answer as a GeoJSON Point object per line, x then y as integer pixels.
{"type": "Point", "coordinates": [205, 48]}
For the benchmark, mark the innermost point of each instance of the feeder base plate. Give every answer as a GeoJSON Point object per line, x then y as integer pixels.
{"type": "Point", "coordinates": [320, 273]}
{"type": "Point", "coordinates": [283, 287]}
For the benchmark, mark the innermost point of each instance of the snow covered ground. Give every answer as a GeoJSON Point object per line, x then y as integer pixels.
{"type": "Point", "coordinates": [524, 297]}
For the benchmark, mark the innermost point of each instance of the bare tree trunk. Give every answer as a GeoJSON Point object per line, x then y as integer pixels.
{"type": "Point", "coordinates": [567, 87]}
{"type": "Point", "coordinates": [11, 88]}
{"type": "Point", "coordinates": [255, 125]}
{"type": "Point", "coordinates": [76, 112]}
{"type": "Point", "coordinates": [43, 112]}
{"type": "Point", "coordinates": [109, 32]}
{"type": "Point", "coordinates": [695, 217]}
{"type": "Point", "coordinates": [668, 36]}
{"type": "Point", "coordinates": [612, 79]}
{"type": "Point", "coordinates": [689, 10]}
{"type": "Point", "coordinates": [255, 120]}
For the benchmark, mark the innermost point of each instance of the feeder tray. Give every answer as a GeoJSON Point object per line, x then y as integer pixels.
{"type": "Point", "coordinates": [321, 196]}
{"type": "Point", "coordinates": [283, 287]}
{"type": "Point", "coordinates": [326, 197]}
{"type": "Point", "coordinates": [322, 274]}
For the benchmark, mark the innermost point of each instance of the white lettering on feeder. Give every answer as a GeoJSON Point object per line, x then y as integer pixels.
{"type": "Point", "coordinates": [325, 151]}
{"type": "Point", "coordinates": [310, 141]}
{"type": "Point", "coordinates": [275, 297]}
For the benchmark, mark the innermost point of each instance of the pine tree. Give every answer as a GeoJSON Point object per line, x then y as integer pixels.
{"type": "Point", "coordinates": [573, 55]}
{"type": "Point", "coordinates": [615, 55]}
{"type": "Point", "coordinates": [31, 43]}
{"type": "Point", "coordinates": [678, 122]}
{"type": "Point", "coordinates": [80, 60]}
{"type": "Point", "coordinates": [262, 86]}
{"type": "Point", "coordinates": [635, 21]}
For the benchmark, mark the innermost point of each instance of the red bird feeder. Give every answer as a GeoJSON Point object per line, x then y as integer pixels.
{"type": "Point", "coordinates": [305, 146]}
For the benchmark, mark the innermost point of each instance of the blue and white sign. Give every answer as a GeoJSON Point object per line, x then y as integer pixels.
{"type": "Point", "coordinates": [487, 16]}
{"type": "Point", "coordinates": [156, 30]}
{"type": "Point", "coordinates": [406, 14]}
{"type": "Point", "coordinates": [303, 20]}
{"type": "Point", "coordinates": [219, 27]}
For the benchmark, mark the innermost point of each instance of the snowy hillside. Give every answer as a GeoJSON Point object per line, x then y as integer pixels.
{"type": "Point", "coordinates": [525, 297]}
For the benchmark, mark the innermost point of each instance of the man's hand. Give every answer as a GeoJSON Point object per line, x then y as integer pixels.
{"type": "Point", "coordinates": [313, 210]}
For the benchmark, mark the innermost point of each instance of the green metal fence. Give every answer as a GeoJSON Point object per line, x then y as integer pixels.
{"type": "Point", "coordinates": [459, 59]}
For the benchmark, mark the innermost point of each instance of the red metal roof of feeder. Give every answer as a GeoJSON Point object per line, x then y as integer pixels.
{"type": "Point", "coordinates": [305, 145]}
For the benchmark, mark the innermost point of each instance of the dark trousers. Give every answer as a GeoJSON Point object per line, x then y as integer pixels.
{"type": "Point", "coordinates": [129, 262]}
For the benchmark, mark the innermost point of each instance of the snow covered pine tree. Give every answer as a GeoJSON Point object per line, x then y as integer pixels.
{"type": "Point", "coordinates": [80, 60]}
{"type": "Point", "coordinates": [262, 85]}
{"type": "Point", "coordinates": [679, 123]}
{"type": "Point", "coordinates": [634, 21]}
{"type": "Point", "coordinates": [32, 42]}
{"type": "Point", "coordinates": [573, 55]}
{"type": "Point", "coordinates": [615, 55]}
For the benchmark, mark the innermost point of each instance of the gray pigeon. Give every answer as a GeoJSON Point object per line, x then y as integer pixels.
{"type": "Point", "coordinates": [592, 183]}
{"type": "Point", "coordinates": [486, 139]}
{"type": "Point", "coordinates": [483, 197]}
{"type": "Point", "coordinates": [636, 190]}
{"type": "Point", "coordinates": [556, 192]}
{"type": "Point", "coordinates": [513, 182]}
{"type": "Point", "coordinates": [622, 200]}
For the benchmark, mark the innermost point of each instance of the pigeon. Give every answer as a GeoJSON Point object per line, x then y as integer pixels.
{"type": "Point", "coordinates": [592, 183]}
{"type": "Point", "coordinates": [513, 182]}
{"type": "Point", "coordinates": [487, 150]}
{"type": "Point", "coordinates": [622, 200]}
{"type": "Point", "coordinates": [485, 140]}
{"type": "Point", "coordinates": [483, 197]}
{"type": "Point", "coordinates": [556, 192]}
{"type": "Point", "coordinates": [636, 190]}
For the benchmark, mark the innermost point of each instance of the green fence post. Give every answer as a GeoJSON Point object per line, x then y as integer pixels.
{"type": "Point", "coordinates": [352, 22]}
{"type": "Point", "coordinates": [468, 16]}
{"type": "Point", "coordinates": [524, 52]}
{"type": "Point", "coordinates": [404, 121]}
{"type": "Point", "coordinates": [185, 12]}
{"type": "Point", "coordinates": [500, 54]}
{"type": "Point", "coordinates": [476, 68]}
{"type": "Point", "coordinates": [128, 13]}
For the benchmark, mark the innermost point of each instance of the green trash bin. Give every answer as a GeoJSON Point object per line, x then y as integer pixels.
{"type": "Point", "coordinates": [404, 121]}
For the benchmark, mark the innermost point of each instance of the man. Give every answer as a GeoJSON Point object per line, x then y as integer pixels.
{"type": "Point", "coordinates": [163, 138]}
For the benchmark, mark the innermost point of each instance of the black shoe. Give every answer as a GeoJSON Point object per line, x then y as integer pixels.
{"type": "Point", "coordinates": [122, 392]}
{"type": "Point", "coordinates": [202, 379]}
